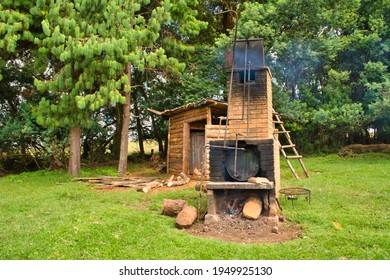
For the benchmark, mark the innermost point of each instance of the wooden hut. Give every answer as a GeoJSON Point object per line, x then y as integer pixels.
{"type": "Point", "coordinates": [190, 128]}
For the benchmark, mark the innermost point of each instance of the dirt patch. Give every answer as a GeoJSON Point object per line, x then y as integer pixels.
{"type": "Point", "coordinates": [241, 230]}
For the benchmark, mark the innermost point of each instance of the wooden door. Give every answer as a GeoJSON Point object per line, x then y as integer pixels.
{"type": "Point", "coordinates": [197, 150]}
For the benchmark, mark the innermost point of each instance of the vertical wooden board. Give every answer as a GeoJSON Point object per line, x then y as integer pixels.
{"type": "Point", "coordinates": [197, 150]}
{"type": "Point", "coordinates": [186, 147]}
{"type": "Point", "coordinates": [209, 115]}
{"type": "Point", "coordinates": [169, 144]}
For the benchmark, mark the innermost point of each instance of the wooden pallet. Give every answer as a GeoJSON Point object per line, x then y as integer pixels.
{"type": "Point", "coordinates": [279, 123]}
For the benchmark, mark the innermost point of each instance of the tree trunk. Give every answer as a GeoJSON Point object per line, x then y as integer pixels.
{"type": "Point", "coordinates": [74, 158]}
{"type": "Point", "coordinates": [124, 149]}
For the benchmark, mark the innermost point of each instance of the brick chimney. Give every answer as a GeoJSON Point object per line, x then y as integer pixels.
{"type": "Point", "coordinates": [250, 99]}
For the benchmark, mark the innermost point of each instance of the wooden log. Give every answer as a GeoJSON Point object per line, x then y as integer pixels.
{"type": "Point", "coordinates": [178, 182]}
{"type": "Point", "coordinates": [186, 217]}
{"type": "Point", "coordinates": [252, 208]}
{"type": "Point", "coordinates": [170, 179]}
{"type": "Point", "coordinates": [172, 207]}
{"type": "Point", "coordinates": [154, 184]}
{"type": "Point", "coordinates": [184, 177]}
{"type": "Point", "coordinates": [197, 172]}
{"type": "Point", "coordinates": [143, 189]}
{"type": "Point", "coordinates": [148, 186]}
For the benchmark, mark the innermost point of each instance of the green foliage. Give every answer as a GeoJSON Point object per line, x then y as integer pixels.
{"type": "Point", "coordinates": [330, 56]}
{"type": "Point", "coordinates": [90, 45]}
{"type": "Point", "coordinates": [345, 119]}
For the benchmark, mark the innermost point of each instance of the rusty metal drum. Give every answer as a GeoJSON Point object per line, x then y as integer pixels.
{"type": "Point", "coordinates": [243, 164]}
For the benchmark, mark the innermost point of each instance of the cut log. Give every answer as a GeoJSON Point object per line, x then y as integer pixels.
{"type": "Point", "coordinates": [178, 182]}
{"type": "Point", "coordinates": [197, 172]}
{"type": "Point", "coordinates": [143, 189]}
{"type": "Point", "coordinates": [184, 177]}
{"type": "Point", "coordinates": [154, 184]}
{"type": "Point", "coordinates": [186, 217]}
{"type": "Point", "coordinates": [252, 208]}
{"type": "Point", "coordinates": [172, 207]}
{"type": "Point", "coordinates": [170, 179]}
{"type": "Point", "coordinates": [149, 186]}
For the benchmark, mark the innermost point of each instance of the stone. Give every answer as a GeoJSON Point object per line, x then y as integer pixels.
{"type": "Point", "coordinates": [275, 230]}
{"type": "Point", "coordinates": [186, 217]}
{"type": "Point", "coordinates": [252, 208]}
{"type": "Point", "coordinates": [258, 180]}
{"type": "Point", "coordinates": [210, 219]}
{"type": "Point", "coordinates": [273, 211]}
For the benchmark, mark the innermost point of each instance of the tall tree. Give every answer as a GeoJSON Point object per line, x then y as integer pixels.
{"type": "Point", "coordinates": [91, 46]}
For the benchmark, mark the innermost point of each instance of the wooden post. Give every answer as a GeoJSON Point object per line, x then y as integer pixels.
{"type": "Point", "coordinates": [209, 116]}
{"type": "Point", "coordinates": [169, 145]}
{"type": "Point", "coordinates": [186, 147]}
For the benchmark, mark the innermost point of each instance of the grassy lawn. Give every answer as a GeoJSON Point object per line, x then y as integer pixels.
{"type": "Point", "coordinates": [45, 215]}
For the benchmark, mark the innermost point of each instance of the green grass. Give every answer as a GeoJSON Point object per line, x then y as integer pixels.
{"type": "Point", "coordinates": [45, 215]}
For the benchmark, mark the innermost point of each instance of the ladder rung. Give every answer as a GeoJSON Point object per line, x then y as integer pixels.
{"type": "Point", "coordinates": [288, 157]}
{"type": "Point", "coordinates": [288, 146]}
{"type": "Point", "coordinates": [281, 131]}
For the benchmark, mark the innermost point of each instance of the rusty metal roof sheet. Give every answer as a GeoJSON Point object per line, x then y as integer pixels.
{"type": "Point", "coordinates": [190, 106]}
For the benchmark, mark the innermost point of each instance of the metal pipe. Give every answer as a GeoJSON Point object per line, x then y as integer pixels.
{"type": "Point", "coordinates": [248, 105]}
{"type": "Point", "coordinates": [245, 80]}
{"type": "Point", "coordinates": [231, 72]}
{"type": "Point", "coordinates": [235, 157]}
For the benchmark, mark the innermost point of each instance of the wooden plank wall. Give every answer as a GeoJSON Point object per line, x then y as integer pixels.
{"type": "Point", "coordinates": [179, 141]}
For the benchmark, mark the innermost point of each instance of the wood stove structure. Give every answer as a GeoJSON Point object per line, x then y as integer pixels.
{"type": "Point", "coordinates": [244, 163]}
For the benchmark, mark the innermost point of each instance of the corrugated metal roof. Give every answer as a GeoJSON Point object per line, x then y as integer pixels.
{"type": "Point", "coordinates": [190, 106]}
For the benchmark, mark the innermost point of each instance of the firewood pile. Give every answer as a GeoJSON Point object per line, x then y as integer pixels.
{"type": "Point", "coordinates": [145, 184]}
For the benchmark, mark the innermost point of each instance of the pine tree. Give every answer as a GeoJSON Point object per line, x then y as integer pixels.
{"type": "Point", "coordinates": [91, 48]}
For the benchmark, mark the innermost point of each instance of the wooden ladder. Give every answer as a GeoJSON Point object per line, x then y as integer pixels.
{"type": "Point", "coordinates": [290, 145]}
